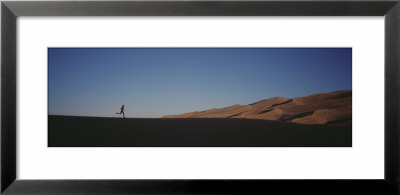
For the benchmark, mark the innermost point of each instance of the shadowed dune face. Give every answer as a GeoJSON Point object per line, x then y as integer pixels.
{"type": "Point", "coordinates": [333, 108]}
{"type": "Point", "coordinates": [76, 131]}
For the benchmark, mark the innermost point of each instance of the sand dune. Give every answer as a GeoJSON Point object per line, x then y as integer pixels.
{"type": "Point", "coordinates": [75, 131]}
{"type": "Point", "coordinates": [333, 108]}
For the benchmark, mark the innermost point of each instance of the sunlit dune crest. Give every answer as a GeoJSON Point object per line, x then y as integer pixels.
{"type": "Point", "coordinates": [334, 108]}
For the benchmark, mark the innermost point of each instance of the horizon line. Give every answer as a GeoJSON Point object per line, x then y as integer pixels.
{"type": "Point", "coordinates": [200, 110]}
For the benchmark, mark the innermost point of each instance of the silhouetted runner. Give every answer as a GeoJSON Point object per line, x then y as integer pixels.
{"type": "Point", "coordinates": [122, 111]}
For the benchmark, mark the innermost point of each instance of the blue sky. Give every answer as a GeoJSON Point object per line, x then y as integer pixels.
{"type": "Point", "coordinates": [153, 82]}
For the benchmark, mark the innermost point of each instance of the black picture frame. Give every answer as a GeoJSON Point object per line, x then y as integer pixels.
{"type": "Point", "coordinates": [11, 10]}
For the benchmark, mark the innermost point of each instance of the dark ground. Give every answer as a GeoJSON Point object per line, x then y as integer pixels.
{"type": "Point", "coordinates": [71, 131]}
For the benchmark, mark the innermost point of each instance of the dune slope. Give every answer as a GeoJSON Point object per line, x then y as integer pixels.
{"type": "Point", "coordinates": [75, 131]}
{"type": "Point", "coordinates": [334, 108]}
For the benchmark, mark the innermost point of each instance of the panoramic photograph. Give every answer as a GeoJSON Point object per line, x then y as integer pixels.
{"type": "Point", "coordinates": [199, 97]}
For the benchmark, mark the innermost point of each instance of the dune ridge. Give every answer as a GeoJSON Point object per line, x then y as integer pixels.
{"type": "Point", "coordinates": [333, 108]}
